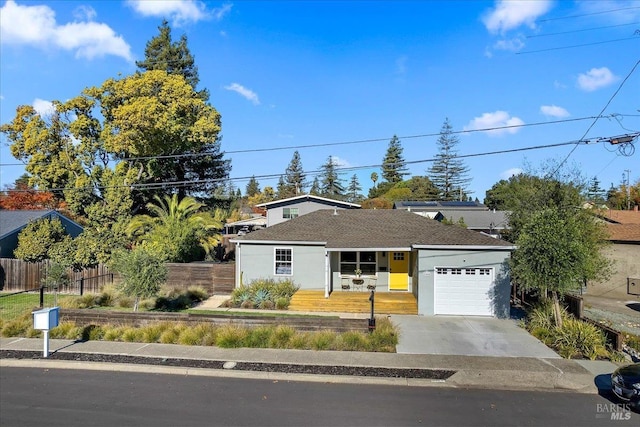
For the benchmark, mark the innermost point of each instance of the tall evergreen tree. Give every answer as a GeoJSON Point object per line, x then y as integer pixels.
{"type": "Point", "coordinates": [393, 165]}
{"type": "Point", "coordinates": [449, 173]}
{"type": "Point", "coordinates": [162, 53]}
{"type": "Point", "coordinates": [294, 178]}
{"type": "Point", "coordinates": [253, 187]}
{"type": "Point", "coordinates": [330, 182]}
{"type": "Point", "coordinates": [595, 193]}
{"type": "Point", "coordinates": [354, 189]}
{"type": "Point", "coordinates": [315, 187]}
{"type": "Point", "coordinates": [204, 166]}
{"type": "Point", "coordinates": [282, 188]}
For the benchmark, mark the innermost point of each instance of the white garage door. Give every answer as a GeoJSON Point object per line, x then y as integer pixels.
{"type": "Point", "coordinates": [464, 291]}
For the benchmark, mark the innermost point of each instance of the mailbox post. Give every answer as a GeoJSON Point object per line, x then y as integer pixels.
{"type": "Point", "coordinates": [44, 320]}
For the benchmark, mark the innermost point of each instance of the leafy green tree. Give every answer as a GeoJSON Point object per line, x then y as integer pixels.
{"type": "Point", "coordinates": [178, 231]}
{"type": "Point", "coordinates": [526, 194]}
{"type": "Point", "coordinates": [448, 172]}
{"type": "Point", "coordinates": [43, 239]}
{"type": "Point", "coordinates": [253, 187]}
{"type": "Point", "coordinates": [174, 57]}
{"type": "Point", "coordinates": [142, 273]}
{"type": "Point", "coordinates": [394, 167]}
{"type": "Point", "coordinates": [558, 250]}
{"type": "Point", "coordinates": [354, 189]}
{"type": "Point", "coordinates": [331, 185]}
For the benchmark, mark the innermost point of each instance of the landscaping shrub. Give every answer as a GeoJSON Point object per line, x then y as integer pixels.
{"type": "Point", "coordinates": [384, 337]}
{"type": "Point", "coordinates": [323, 340]}
{"type": "Point", "coordinates": [353, 341]}
{"type": "Point", "coordinates": [231, 336]}
{"type": "Point", "coordinates": [132, 335]}
{"type": "Point", "coordinates": [17, 327]}
{"type": "Point", "coordinates": [264, 293]}
{"type": "Point", "coordinates": [281, 336]}
{"type": "Point", "coordinates": [259, 337]}
{"type": "Point", "coordinates": [152, 333]}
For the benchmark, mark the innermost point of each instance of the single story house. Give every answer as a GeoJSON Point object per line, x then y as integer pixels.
{"type": "Point", "coordinates": [475, 216]}
{"type": "Point", "coordinates": [623, 228]}
{"type": "Point", "coordinates": [13, 222]}
{"type": "Point", "coordinates": [285, 209]}
{"type": "Point", "coordinates": [449, 269]}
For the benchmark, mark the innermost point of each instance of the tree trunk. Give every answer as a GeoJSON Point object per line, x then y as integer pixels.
{"type": "Point", "coordinates": [135, 303]}
{"type": "Point", "coordinates": [556, 310]}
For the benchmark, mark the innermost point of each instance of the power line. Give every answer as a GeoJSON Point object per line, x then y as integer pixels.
{"type": "Point", "coordinates": [589, 14]}
{"type": "Point", "coordinates": [582, 30]}
{"type": "Point", "coordinates": [576, 45]}
{"type": "Point", "coordinates": [182, 184]}
{"type": "Point", "coordinates": [598, 116]}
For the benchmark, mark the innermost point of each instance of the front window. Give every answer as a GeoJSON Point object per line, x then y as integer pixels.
{"type": "Point", "coordinates": [363, 261]}
{"type": "Point", "coordinates": [289, 213]}
{"type": "Point", "coordinates": [283, 261]}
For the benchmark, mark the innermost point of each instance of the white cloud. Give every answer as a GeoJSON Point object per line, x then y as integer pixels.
{"type": "Point", "coordinates": [554, 111]}
{"type": "Point", "coordinates": [510, 172]}
{"type": "Point", "coordinates": [220, 12]}
{"type": "Point", "coordinates": [512, 45]}
{"type": "Point", "coordinates": [509, 14]}
{"type": "Point", "coordinates": [340, 162]}
{"type": "Point", "coordinates": [595, 79]}
{"type": "Point", "coordinates": [244, 92]}
{"type": "Point", "coordinates": [37, 26]}
{"type": "Point", "coordinates": [43, 108]}
{"type": "Point", "coordinates": [179, 11]}
{"type": "Point", "coordinates": [497, 119]}
{"type": "Point", "coordinates": [84, 13]}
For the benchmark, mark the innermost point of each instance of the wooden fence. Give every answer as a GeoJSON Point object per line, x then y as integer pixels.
{"type": "Point", "coordinates": [17, 275]}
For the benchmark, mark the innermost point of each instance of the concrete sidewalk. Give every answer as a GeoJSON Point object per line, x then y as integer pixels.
{"type": "Point", "coordinates": [512, 373]}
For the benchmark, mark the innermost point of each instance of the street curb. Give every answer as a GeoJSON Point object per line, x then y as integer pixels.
{"type": "Point", "coordinates": [221, 373]}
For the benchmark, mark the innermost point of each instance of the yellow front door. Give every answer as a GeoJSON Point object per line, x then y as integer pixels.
{"type": "Point", "coordinates": [398, 271]}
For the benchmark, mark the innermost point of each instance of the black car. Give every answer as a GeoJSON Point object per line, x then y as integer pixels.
{"type": "Point", "coordinates": [625, 383]}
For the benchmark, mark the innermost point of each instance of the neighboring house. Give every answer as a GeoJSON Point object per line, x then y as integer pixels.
{"type": "Point", "coordinates": [283, 210]}
{"type": "Point", "coordinates": [475, 216]}
{"type": "Point", "coordinates": [12, 223]}
{"type": "Point", "coordinates": [449, 269]}
{"type": "Point", "coordinates": [624, 235]}
{"type": "Point", "coordinates": [256, 222]}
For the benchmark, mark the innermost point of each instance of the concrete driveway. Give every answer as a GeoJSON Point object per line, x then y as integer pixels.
{"type": "Point", "coordinates": [467, 335]}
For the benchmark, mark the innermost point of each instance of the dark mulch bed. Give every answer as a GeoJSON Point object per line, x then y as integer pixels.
{"type": "Point", "coordinates": [435, 374]}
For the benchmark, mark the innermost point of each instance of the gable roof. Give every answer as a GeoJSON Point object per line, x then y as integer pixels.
{"type": "Point", "coordinates": [371, 228]}
{"type": "Point", "coordinates": [308, 197]}
{"type": "Point", "coordinates": [624, 233]}
{"type": "Point", "coordinates": [437, 205]}
{"type": "Point", "coordinates": [12, 221]}
{"type": "Point", "coordinates": [479, 219]}
{"type": "Point", "coordinates": [621, 217]}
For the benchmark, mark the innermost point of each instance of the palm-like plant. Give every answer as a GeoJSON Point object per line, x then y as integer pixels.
{"type": "Point", "coordinates": [178, 229]}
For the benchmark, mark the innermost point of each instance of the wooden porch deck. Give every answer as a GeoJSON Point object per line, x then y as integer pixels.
{"type": "Point", "coordinates": [354, 302]}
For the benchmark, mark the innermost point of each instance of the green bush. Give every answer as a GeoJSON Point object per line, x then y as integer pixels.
{"type": "Point", "coordinates": [323, 340]}
{"type": "Point", "coordinates": [353, 341]}
{"type": "Point", "coordinates": [264, 293]}
{"type": "Point", "coordinates": [231, 336]}
{"type": "Point", "coordinates": [92, 333]}
{"type": "Point", "coordinates": [152, 333]}
{"type": "Point", "coordinates": [281, 336]}
{"type": "Point", "coordinates": [385, 336]}
{"type": "Point", "coordinates": [17, 327]}
{"type": "Point", "coordinates": [259, 337]}
{"type": "Point", "coordinates": [582, 338]}
{"type": "Point", "coordinates": [633, 341]}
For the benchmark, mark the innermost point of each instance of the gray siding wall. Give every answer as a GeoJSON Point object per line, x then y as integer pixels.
{"type": "Point", "coordinates": [274, 214]}
{"type": "Point", "coordinates": [257, 262]}
{"type": "Point", "coordinates": [428, 259]}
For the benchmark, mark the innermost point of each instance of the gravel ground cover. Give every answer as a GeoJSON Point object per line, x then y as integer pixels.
{"type": "Point", "coordinates": [621, 322]}
{"type": "Point", "coordinates": [435, 374]}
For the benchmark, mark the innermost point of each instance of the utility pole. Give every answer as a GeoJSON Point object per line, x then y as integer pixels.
{"type": "Point", "coordinates": [628, 190]}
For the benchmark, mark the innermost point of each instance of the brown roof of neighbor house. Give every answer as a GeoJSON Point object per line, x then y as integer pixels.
{"type": "Point", "coordinates": [622, 217]}
{"type": "Point", "coordinates": [624, 232]}
{"type": "Point", "coordinates": [371, 228]}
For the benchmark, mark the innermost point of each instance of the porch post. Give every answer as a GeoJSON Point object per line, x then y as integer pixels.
{"type": "Point", "coordinates": [327, 272]}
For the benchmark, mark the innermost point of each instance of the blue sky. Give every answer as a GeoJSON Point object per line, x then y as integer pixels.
{"type": "Point", "coordinates": [327, 74]}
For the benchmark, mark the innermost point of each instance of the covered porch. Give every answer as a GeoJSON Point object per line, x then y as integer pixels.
{"type": "Point", "coordinates": [310, 300]}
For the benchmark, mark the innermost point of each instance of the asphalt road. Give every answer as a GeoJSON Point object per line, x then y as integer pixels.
{"type": "Point", "coordinates": [50, 397]}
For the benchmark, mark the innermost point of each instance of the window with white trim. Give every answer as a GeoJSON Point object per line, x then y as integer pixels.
{"type": "Point", "coordinates": [283, 262]}
{"type": "Point", "coordinates": [289, 213]}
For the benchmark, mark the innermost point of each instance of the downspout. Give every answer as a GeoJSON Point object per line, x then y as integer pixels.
{"type": "Point", "coordinates": [238, 265]}
{"type": "Point", "coordinates": [326, 274]}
